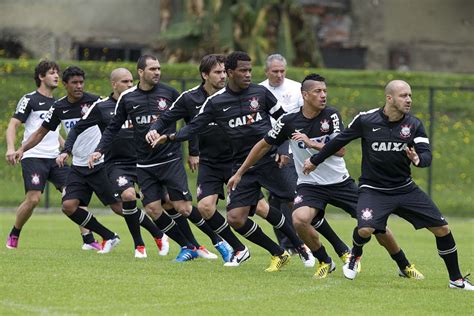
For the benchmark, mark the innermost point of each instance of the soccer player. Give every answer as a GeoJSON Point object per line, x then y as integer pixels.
{"type": "Point", "coordinates": [392, 141]}
{"type": "Point", "coordinates": [243, 112]}
{"type": "Point", "coordinates": [81, 181]}
{"type": "Point", "coordinates": [160, 167]}
{"type": "Point", "coordinates": [38, 163]}
{"type": "Point", "coordinates": [288, 92]}
{"type": "Point", "coordinates": [120, 162]}
{"type": "Point", "coordinates": [309, 129]}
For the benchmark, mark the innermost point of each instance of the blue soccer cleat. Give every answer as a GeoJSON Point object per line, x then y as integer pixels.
{"type": "Point", "coordinates": [225, 250]}
{"type": "Point", "coordinates": [186, 254]}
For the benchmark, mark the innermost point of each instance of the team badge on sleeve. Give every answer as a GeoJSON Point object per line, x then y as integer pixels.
{"type": "Point", "coordinates": [367, 214]}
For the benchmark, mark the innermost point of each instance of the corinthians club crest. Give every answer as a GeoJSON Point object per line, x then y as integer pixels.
{"type": "Point", "coordinates": [35, 179]}
{"type": "Point", "coordinates": [254, 105]}
{"type": "Point", "coordinates": [405, 131]}
{"type": "Point", "coordinates": [84, 109]}
{"type": "Point", "coordinates": [367, 214]}
{"type": "Point", "coordinates": [324, 126]}
{"type": "Point", "coordinates": [162, 104]}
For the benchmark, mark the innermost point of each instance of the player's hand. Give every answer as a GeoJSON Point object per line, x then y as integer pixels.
{"type": "Point", "coordinates": [233, 182]}
{"type": "Point", "coordinates": [193, 162]}
{"type": "Point", "coordinates": [10, 157]}
{"type": "Point", "coordinates": [95, 156]}
{"type": "Point", "coordinates": [152, 136]}
{"type": "Point", "coordinates": [282, 160]}
{"type": "Point", "coordinates": [16, 156]}
{"type": "Point", "coordinates": [161, 140]}
{"type": "Point", "coordinates": [308, 167]}
{"type": "Point", "coordinates": [412, 155]}
{"type": "Point", "coordinates": [61, 159]}
{"type": "Point", "coordinates": [301, 137]}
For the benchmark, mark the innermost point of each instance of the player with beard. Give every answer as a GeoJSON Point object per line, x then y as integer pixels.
{"type": "Point", "coordinates": [308, 130]}
{"type": "Point", "coordinates": [160, 168]}
{"type": "Point", "coordinates": [243, 112]}
{"type": "Point", "coordinates": [392, 140]}
{"type": "Point", "coordinates": [120, 162]}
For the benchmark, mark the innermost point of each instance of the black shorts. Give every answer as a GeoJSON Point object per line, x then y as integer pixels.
{"type": "Point", "coordinates": [343, 195]}
{"type": "Point", "coordinates": [170, 175]}
{"type": "Point", "coordinates": [36, 171]}
{"type": "Point", "coordinates": [267, 175]}
{"type": "Point", "coordinates": [212, 179]}
{"type": "Point", "coordinates": [122, 176]}
{"type": "Point", "coordinates": [374, 207]}
{"type": "Point", "coordinates": [82, 182]}
{"type": "Point", "coordinates": [289, 173]}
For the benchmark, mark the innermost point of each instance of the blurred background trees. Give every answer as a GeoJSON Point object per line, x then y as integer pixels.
{"type": "Point", "coordinates": [190, 29]}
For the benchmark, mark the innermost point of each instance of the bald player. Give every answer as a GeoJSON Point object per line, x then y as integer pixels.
{"type": "Point", "coordinates": [392, 141]}
{"type": "Point", "coordinates": [120, 162]}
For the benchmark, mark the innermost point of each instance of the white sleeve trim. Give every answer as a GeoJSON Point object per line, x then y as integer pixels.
{"type": "Point", "coordinates": [421, 140]}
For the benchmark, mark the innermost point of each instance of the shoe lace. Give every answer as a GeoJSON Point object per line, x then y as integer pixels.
{"type": "Point", "coordinates": [466, 279]}
{"type": "Point", "coordinates": [303, 254]}
{"type": "Point", "coordinates": [352, 262]}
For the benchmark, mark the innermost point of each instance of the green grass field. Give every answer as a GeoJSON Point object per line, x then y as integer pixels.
{"type": "Point", "coordinates": [50, 274]}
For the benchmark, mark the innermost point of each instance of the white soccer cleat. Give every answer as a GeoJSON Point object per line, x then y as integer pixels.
{"type": "Point", "coordinates": [238, 257]}
{"type": "Point", "coordinates": [350, 268]}
{"type": "Point", "coordinates": [140, 252]}
{"type": "Point", "coordinates": [109, 244]}
{"type": "Point", "coordinates": [306, 256]}
{"type": "Point", "coordinates": [462, 284]}
{"type": "Point", "coordinates": [206, 254]}
{"type": "Point", "coordinates": [163, 245]}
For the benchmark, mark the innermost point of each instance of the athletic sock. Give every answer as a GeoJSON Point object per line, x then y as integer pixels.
{"type": "Point", "coordinates": [169, 227]}
{"type": "Point", "coordinates": [151, 227]}
{"type": "Point", "coordinates": [183, 225]}
{"type": "Point", "coordinates": [322, 255]}
{"type": "Point", "coordinates": [88, 238]}
{"type": "Point", "coordinates": [401, 260]}
{"type": "Point", "coordinates": [219, 225]}
{"type": "Point", "coordinates": [447, 250]}
{"type": "Point", "coordinates": [277, 203]}
{"type": "Point", "coordinates": [255, 234]}
{"type": "Point", "coordinates": [86, 219]}
{"type": "Point", "coordinates": [358, 242]}
{"type": "Point", "coordinates": [132, 218]}
{"type": "Point", "coordinates": [322, 226]}
{"type": "Point", "coordinates": [278, 221]}
{"type": "Point", "coordinates": [196, 218]}
{"type": "Point", "coordinates": [15, 231]}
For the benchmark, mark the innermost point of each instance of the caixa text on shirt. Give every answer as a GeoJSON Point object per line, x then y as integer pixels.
{"type": "Point", "coordinates": [245, 120]}
{"type": "Point", "coordinates": [146, 119]}
{"type": "Point", "coordinates": [388, 146]}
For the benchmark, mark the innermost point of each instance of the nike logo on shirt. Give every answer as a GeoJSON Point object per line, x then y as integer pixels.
{"type": "Point", "coordinates": [225, 109]}
{"type": "Point", "coordinates": [135, 106]}
{"type": "Point", "coordinates": [375, 129]}
{"type": "Point", "coordinates": [65, 111]}
{"type": "Point", "coordinates": [42, 103]}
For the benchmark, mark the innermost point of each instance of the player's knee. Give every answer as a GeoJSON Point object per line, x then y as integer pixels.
{"type": "Point", "coordinates": [206, 209]}
{"type": "Point", "coordinates": [298, 219]}
{"type": "Point", "coordinates": [128, 195]}
{"type": "Point", "coordinates": [235, 221]}
{"type": "Point", "coordinates": [69, 207]}
{"type": "Point", "coordinates": [33, 199]}
{"type": "Point", "coordinates": [184, 208]}
{"type": "Point", "coordinates": [153, 212]}
{"type": "Point", "coordinates": [117, 208]}
{"type": "Point", "coordinates": [440, 231]}
{"type": "Point", "coordinates": [365, 232]}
